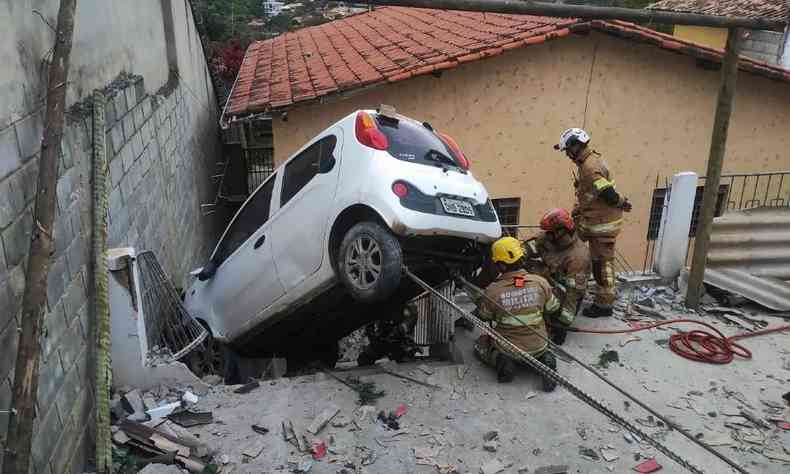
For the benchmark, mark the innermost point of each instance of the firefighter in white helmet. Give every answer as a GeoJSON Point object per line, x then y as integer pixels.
{"type": "Point", "coordinates": [598, 213]}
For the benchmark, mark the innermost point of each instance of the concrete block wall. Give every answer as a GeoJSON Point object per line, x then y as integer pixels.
{"type": "Point", "coordinates": [763, 46]}
{"type": "Point", "coordinates": [162, 144]}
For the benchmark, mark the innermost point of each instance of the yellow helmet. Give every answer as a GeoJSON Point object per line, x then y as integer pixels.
{"type": "Point", "coordinates": [507, 250]}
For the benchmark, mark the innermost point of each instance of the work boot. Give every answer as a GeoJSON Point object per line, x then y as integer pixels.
{"type": "Point", "coordinates": [549, 361]}
{"type": "Point", "coordinates": [558, 335]}
{"type": "Point", "coordinates": [505, 369]}
{"type": "Point", "coordinates": [596, 311]}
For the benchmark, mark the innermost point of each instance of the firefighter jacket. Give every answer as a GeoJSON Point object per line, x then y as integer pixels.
{"type": "Point", "coordinates": [594, 216]}
{"type": "Point", "coordinates": [528, 298]}
{"type": "Point", "coordinates": [568, 267]}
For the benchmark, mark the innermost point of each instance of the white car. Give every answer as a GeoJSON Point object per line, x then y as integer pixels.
{"type": "Point", "coordinates": [371, 193]}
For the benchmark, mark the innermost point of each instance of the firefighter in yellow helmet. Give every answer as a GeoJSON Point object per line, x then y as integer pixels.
{"type": "Point", "coordinates": [528, 298]}
{"type": "Point", "coordinates": [598, 213]}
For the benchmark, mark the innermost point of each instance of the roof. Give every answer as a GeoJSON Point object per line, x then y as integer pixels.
{"type": "Point", "coordinates": [392, 44]}
{"type": "Point", "coordinates": [768, 9]}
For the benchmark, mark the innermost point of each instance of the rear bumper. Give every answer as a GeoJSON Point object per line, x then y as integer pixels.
{"type": "Point", "coordinates": [408, 223]}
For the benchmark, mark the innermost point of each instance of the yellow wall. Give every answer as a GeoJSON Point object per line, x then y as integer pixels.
{"type": "Point", "coordinates": [712, 37]}
{"type": "Point", "coordinates": [649, 111]}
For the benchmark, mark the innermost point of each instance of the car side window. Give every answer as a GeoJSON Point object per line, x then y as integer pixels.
{"type": "Point", "coordinates": [254, 214]}
{"type": "Point", "coordinates": [317, 158]}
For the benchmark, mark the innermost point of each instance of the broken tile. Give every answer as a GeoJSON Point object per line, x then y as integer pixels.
{"type": "Point", "coordinates": [322, 419]}
{"type": "Point", "coordinates": [651, 465]}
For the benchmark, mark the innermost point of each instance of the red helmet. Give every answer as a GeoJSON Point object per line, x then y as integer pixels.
{"type": "Point", "coordinates": [557, 218]}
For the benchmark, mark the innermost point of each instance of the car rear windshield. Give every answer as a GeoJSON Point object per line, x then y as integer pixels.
{"type": "Point", "coordinates": [412, 141]}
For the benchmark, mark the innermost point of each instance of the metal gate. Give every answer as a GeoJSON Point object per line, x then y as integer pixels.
{"type": "Point", "coordinates": [435, 322]}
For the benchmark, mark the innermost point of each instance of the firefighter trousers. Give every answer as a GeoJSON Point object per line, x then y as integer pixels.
{"type": "Point", "coordinates": [602, 255]}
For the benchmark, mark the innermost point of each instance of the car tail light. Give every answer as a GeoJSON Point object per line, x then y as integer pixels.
{"type": "Point", "coordinates": [400, 189]}
{"type": "Point", "coordinates": [458, 155]}
{"type": "Point", "coordinates": [368, 132]}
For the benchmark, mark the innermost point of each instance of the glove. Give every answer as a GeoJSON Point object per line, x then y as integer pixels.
{"type": "Point", "coordinates": [626, 205]}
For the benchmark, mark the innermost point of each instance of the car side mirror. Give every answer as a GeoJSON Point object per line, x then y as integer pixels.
{"type": "Point", "coordinates": [208, 271]}
{"type": "Point", "coordinates": [325, 165]}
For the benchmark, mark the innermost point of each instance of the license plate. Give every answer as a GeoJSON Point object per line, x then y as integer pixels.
{"type": "Point", "coordinates": [458, 207]}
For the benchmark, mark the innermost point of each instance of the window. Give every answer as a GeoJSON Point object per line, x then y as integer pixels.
{"type": "Point", "coordinates": [508, 210]}
{"type": "Point", "coordinates": [657, 209]}
{"type": "Point", "coordinates": [300, 170]}
{"type": "Point", "coordinates": [253, 215]}
{"type": "Point", "coordinates": [411, 141]}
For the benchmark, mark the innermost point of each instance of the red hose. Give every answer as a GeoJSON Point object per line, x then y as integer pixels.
{"type": "Point", "coordinates": [701, 346]}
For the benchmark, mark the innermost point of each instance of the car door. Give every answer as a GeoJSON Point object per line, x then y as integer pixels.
{"type": "Point", "coordinates": [309, 183]}
{"type": "Point", "coordinates": [246, 280]}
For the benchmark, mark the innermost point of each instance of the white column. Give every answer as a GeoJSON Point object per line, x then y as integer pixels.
{"type": "Point", "coordinates": [675, 224]}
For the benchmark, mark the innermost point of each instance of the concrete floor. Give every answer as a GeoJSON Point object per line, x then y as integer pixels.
{"type": "Point", "coordinates": [535, 429]}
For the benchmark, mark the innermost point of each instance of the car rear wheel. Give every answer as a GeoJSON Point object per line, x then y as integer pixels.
{"type": "Point", "coordinates": [370, 262]}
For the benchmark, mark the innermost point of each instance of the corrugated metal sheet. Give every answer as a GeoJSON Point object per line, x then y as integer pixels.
{"type": "Point", "coordinates": [435, 322]}
{"type": "Point", "coordinates": [749, 255]}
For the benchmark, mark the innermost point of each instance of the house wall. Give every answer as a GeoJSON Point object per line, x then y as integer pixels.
{"type": "Point", "coordinates": [649, 111]}
{"type": "Point", "coordinates": [162, 142]}
{"type": "Point", "coordinates": [704, 35]}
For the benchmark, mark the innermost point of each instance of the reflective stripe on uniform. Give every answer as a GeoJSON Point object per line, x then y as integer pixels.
{"type": "Point", "coordinates": [602, 183]}
{"type": "Point", "coordinates": [606, 227]}
{"type": "Point", "coordinates": [566, 317]}
{"type": "Point", "coordinates": [529, 319]}
{"type": "Point", "coordinates": [552, 304]}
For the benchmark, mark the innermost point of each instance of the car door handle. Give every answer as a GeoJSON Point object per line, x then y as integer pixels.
{"type": "Point", "coordinates": [259, 242]}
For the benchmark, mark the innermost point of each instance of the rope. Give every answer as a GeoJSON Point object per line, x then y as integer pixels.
{"type": "Point", "coordinates": [701, 346]}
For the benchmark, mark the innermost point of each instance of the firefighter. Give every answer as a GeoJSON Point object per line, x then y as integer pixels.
{"type": "Point", "coordinates": [598, 213]}
{"type": "Point", "coordinates": [561, 257]}
{"type": "Point", "coordinates": [529, 299]}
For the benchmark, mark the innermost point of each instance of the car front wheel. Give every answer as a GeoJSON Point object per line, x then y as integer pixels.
{"type": "Point", "coordinates": [370, 262]}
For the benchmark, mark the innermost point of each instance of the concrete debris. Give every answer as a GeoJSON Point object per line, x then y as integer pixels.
{"type": "Point", "coordinates": [491, 446]}
{"type": "Point", "coordinates": [160, 469]}
{"type": "Point", "coordinates": [254, 449]}
{"type": "Point", "coordinates": [189, 418]}
{"type": "Point", "coordinates": [135, 405]}
{"type": "Point", "coordinates": [340, 421]}
{"type": "Point", "coordinates": [189, 397]}
{"type": "Point", "coordinates": [554, 469]}
{"type": "Point", "coordinates": [425, 369]}
{"type": "Point", "coordinates": [609, 454]}
{"type": "Point", "coordinates": [491, 435]}
{"type": "Point", "coordinates": [163, 411]}
{"type": "Point", "coordinates": [212, 379]}
{"type": "Point", "coordinates": [530, 395]}
{"type": "Point", "coordinates": [322, 419]}
{"type": "Point", "coordinates": [589, 453]}
{"type": "Point", "coordinates": [493, 466]}
{"type": "Point", "coordinates": [426, 456]}
{"type": "Point", "coordinates": [247, 388]}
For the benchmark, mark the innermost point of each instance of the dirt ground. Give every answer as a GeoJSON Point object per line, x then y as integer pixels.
{"type": "Point", "coordinates": [446, 427]}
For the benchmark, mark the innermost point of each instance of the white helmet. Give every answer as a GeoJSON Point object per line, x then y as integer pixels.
{"type": "Point", "coordinates": [571, 136]}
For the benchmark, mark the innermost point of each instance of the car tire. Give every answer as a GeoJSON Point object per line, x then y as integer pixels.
{"type": "Point", "coordinates": [370, 262]}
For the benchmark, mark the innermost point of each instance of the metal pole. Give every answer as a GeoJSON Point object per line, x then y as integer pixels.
{"type": "Point", "coordinates": [588, 12]}
{"type": "Point", "coordinates": [721, 123]}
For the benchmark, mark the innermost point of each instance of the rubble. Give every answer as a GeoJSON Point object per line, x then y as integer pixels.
{"type": "Point", "coordinates": [322, 419]}
{"type": "Point", "coordinates": [493, 466]}
{"type": "Point", "coordinates": [247, 388]}
{"type": "Point", "coordinates": [160, 469]}
{"type": "Point", "coordinates": [554, 469]}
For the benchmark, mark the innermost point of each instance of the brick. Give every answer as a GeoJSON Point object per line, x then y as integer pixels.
{"type": "Point", "coordinates": [131, 97]}
{"type": "Point", "coordinates": [67, 189]}
{"type": "Point", "coordinates": [128, 126]}
{"type": "Point", "coordinates": [30, 179]}
{"type": "Point", "coordinates": [57, 279]}
{"type": "Point", "coordinates": [84, 322]}
{"type": "Point", "coordinates": [73, 300]}
{"type": "Point", "coordinates": [115, 203]}
{"type": "Point", "coordinates": [118, 139]}
{"type": "Point", "coordinates": [139, 116]}
{"type": "Point", "coordinates": [69, 392]}
{"type": "Point", "coordinates": [50, 379]}
{"type": "Point", "coordinates": [77, 256]}
{"type": "Point", "coordinates": [72, 346]}
{"type": "Point", "coordinates": [9, 151]}
{"type": "Point", "coordinates": [127, 155]}
{"type": "Point", "coordinates": [63, 233]}
{"type": "Point", "coordinates": [147, 108]}
{"type": "Point", "coordinates": [29, 132]}
{"type": "Point", "coordinates": [109, 114]}
{"type": "Point", "coordinates": [16, 239]}
{"type": "Point", "coordinates": [5, 406]}
{"type": "Point", "coordinates": [45, 438]}
{"type": "Point", "coordinates": [7, 212]}
{"type": "Point", "coordinates": [137, 145]}
{"type": "Point", "coordinates": [116, 171]}
{"type": "Point", "coordinates": [126, 188]}
{"type": "Point", "coordinates": [9, 337]}
{"type": "Point", "coordinates": [55, 326]}
{"type": "Point", "coordinates": [119, 104]}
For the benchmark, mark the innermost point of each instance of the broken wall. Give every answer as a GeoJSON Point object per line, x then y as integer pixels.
{"type": "Point", "coordinates": [162, 145]}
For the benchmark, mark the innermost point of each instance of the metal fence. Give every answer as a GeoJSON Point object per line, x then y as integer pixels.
{"type": "Point", "coordinates": [435, 322]}
{"type": "Point", "coordinates": [737, 191]}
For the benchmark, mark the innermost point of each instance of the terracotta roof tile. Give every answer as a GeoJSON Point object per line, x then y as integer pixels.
{"type": "Point", "coordinates": [767, 9]}
{"type": "Point", "coordinates": [391, 44]}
